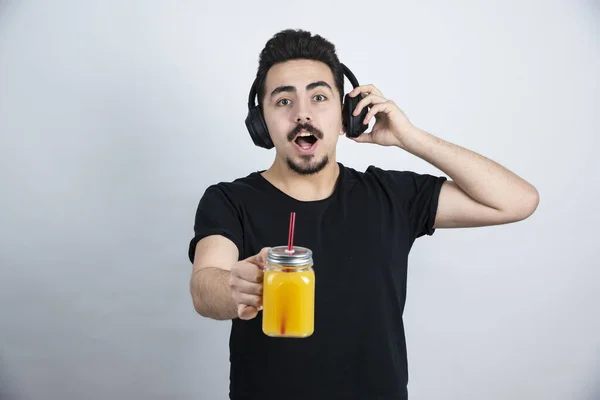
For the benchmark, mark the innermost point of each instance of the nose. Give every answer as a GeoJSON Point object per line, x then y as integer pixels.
{"type": "Point", "coordinates": [302, 120]}
{"type": "Point", "coordinates": [303, 113]}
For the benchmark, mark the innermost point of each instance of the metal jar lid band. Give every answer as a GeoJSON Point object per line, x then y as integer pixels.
{"type": "Point", "coordinates": [281, 256]}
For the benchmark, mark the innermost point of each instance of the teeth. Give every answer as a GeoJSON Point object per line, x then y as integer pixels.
{"type": "Point", "coordinates": [305, 134]}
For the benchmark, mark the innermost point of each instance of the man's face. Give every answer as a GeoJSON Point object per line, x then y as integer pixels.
{"type": "Point", "coordinates": [302, 110]}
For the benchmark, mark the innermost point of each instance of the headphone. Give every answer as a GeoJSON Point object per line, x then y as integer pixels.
{"type": "Point", "coordinates": [353, 125]}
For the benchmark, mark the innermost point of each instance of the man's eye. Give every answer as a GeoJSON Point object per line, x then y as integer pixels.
{"type": "Point", "coordinates": [320, 97]}
{"type": "Point", "coordinates": [283, 102]}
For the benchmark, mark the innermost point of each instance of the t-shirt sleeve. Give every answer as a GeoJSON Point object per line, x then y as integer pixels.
{"type": "Point", "coordinates": [422, 196]}
{"type": "Point", "coordinates": [418, 196]}
{"type": "Point", "coordinates": [216, 215]}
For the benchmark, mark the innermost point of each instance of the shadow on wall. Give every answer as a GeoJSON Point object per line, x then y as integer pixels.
{"type": "Point", "coordinates": [592, 391]}
{"type": "Point", "coordinates": [7, 8]}
{"type": "Point", "coordinates": [6, 388]}
{"type": "Point", "coordinates": [595, 392]}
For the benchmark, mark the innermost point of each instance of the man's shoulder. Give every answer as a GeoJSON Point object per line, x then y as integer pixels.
{"type": "Point", "coordinates": [380, 175]}
{"type": "Point", "coordinates": [400, 184]}
{"type": "Point", "coordinates": [237, 186]}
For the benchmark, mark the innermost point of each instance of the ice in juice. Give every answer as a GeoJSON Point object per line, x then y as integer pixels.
{"type": "Point", "coordinates": [289, 301]}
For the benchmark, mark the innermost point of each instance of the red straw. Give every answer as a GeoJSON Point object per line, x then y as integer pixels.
{"type": "Point", "coordinates": [290, 250]}
{"type": "Point", "coordinates": [283, 324]}
{"type": "Point", "coordinates": [291, 233]}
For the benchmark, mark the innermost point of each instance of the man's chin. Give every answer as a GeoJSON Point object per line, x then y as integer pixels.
{"type": "Point", "coordinates": [307, 165]}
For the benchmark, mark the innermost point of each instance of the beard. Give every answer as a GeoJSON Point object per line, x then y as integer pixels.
{"type": "Point", "coordinates": [305, 166]}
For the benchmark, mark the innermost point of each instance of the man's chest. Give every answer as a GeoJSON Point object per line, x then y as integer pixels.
{"type": "Point", "coordinates": [348, 239]}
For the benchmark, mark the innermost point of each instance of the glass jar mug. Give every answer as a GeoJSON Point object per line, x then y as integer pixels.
{"type": "Point", "coordinates": [289, 293]}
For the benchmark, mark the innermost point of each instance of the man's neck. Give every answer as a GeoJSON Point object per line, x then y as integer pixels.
{"type": "Point", "coordinates": [313, 187]}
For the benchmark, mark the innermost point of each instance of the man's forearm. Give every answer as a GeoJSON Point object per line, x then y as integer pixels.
{"type": "Point", "coordinates": [484, 180]}
{"type": "Point", "coordinates": [212, 295]}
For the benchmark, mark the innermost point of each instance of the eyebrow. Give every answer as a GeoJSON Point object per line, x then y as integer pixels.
{"type": "Point", "coordinates": [310, 86]}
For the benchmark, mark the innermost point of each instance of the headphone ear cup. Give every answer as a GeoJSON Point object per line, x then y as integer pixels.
{"type": "Point", "coordinates": [353, 124]}
{"type": "Point", "coordinates": [346, 115]}
{"type": "Point", "coordinates": [257, 128]}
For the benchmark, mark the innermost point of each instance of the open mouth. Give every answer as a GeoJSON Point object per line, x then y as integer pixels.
{"type": "Point", "coordinates": [305, 140]}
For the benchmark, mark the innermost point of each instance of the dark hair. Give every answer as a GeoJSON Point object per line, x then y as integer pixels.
{"type": "Point", "coordinates": [296, 44]}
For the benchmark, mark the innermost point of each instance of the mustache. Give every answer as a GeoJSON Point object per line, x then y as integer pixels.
{"type": "Point", "coordinates": [305, 127]}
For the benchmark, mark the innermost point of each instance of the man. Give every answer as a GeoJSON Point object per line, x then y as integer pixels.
{"type": "Point", "coordinates": [359, 225]}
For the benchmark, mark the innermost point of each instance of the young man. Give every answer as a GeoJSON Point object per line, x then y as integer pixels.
{"type": "Point", "coordinates": [359, 225]}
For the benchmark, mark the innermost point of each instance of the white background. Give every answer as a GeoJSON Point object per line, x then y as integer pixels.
{"type": "Point", "coordinates": [115, 116]}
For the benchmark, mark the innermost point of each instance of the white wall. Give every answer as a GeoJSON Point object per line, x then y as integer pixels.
{"type": "Point", "coordinates": [115, 116]}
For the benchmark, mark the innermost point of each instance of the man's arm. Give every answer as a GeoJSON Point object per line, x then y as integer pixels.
{"type": "Point", "coordinates": [481, 193]}
{"type": "Point", "coordinates": [223, 287]}
{"type": "Point", "coordinates": [209, 285]}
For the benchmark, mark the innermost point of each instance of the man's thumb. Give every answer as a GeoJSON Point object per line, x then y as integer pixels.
{"type": "Point", "coordinates": [259, 259]}
{"type": "Point", "coordinates": [363, 138]}
{"type": "Point", "coordinates": [246, 312]}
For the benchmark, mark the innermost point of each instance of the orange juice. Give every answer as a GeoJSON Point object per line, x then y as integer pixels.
{"type": "Point", "coordinates": [289, 293]}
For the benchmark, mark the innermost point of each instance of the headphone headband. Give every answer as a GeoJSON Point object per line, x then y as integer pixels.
{"type": "Point", "coordinates": [252, 94]}
{"type": "Point", "coordinates": [349, 75]}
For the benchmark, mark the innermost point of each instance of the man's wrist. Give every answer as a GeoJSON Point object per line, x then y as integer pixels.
{"type": "Point", "coordinates": [413, 140]}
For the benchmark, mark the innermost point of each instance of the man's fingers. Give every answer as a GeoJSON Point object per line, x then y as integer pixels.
{"type": "Point", "coordinates": [369, 100]}
{"type": "Point", "coordinates": [246, 284]}
{"type": "Point", "coordinates": [247, 312]}
{"type": "Point", "coordinates": [377, 108]}
{"type": "Point", "coordinates": [248, 299]}
{"type": "Point", "coordinates": [249, 272]}
{"type": "Point", "coordinates": [242, 286]}
{"type": "Point", "coordinates": [365, 90]}
{"type": "Point", "coordinates": [364, 138]}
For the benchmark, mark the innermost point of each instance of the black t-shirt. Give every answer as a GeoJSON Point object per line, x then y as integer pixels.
{"type": "Point", "coordinates": [360, 237]}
